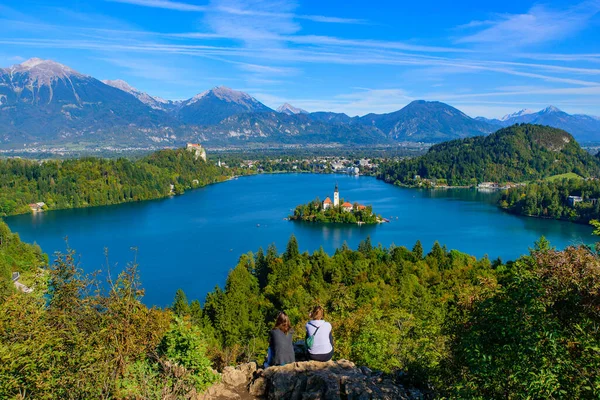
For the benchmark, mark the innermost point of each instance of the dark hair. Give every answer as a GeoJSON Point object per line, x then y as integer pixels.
{"type": "Point", "coordinates": [317, 313]}
{"type": "Point", "coordinates": [283, 323]}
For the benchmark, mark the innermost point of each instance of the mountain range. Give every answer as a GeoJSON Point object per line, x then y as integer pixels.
{"type": "Point", "coordinates": [44, 102]}
{"type": "Point", "coordinates": [585, 128]}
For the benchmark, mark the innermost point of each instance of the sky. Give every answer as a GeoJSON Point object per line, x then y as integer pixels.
{"type": "Point", "coordinates": [484, 58]}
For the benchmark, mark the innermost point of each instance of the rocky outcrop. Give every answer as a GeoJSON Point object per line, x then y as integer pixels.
{"type": "Point", "coordinates": [331, 380]}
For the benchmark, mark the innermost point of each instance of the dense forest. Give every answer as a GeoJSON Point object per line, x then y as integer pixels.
{"type": "Point", "coordinates": [465, 327]}
{"type": "Point", "coordinates": [518, 153]}
{"type": "Point", "coordinates": [91, 181]}
{"type": "Point", "coordinates": [550, 199]}
{"type": "Point", "coordinates": [314, 212]}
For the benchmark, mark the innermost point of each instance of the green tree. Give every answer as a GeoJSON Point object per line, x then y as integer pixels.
{"type": "Point", "coordinates": [181, 306]}
{"type": "Point", "coordinates": [291, 251]}
{"type": "Point", "coordinates": [417, 250]}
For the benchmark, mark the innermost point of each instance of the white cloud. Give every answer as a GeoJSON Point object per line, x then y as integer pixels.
{"type": "Point", "coordinates": [149, 69]}
{"type": "Point", "coordinates": [234, 9]}
{"type": "Point", "coordinates": [539, 25]}
{"type": "Point", "coordinates": [164, 4]}
{"type": "Point", "coordinates": [360, 102]}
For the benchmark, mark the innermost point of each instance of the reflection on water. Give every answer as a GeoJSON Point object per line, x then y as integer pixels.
{"type": "Point", "coordinates": [191, 241]}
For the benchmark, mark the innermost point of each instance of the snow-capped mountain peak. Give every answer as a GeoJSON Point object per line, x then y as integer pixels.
{"type": "Point", "coordinates": [196, 97]}
{"type": "Point", "coordinates": [289, 109]}
{"type": "Point", "coordinates": [152, 101]}
{"type": "Point", "coordinates": [120, 84]}
{"type": "Point", "coordinates": [227, 94]}
{"type": "Point", "coordinates": [41, 71]}
{"type": "Point", "coordinates": [550, 109]}
{"type": "Point", "coordinates": [32, 62]}
{"type": "Point", "coordinates": [525, 111]}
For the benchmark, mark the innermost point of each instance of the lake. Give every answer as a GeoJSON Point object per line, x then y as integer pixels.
{"type": "Point", "coordinates": [192, 241]}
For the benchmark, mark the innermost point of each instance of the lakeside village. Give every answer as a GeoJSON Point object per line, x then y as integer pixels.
{"type": "Point", "coordinates": [336, 211]}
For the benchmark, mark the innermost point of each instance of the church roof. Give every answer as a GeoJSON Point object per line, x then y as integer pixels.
{"type": "Point", "coordinates": [327, 201]}
{"type": "Point", "coordinates": [346, 204]}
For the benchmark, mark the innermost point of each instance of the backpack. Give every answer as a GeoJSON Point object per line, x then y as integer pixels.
{"type": "Point", "coordinates": [310, 340]}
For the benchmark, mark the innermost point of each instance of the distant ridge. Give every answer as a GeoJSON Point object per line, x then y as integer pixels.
{"type": "Point", "coordinates": [585, 128]}
{"type": "Point", "coordinates": [213, 106]}
{"type": "Point", "coordinates": [289, 109]}
{"type": "Point", "coordinates": [427, 121]}
{"type": "Point", "coordinates": [43, 102]}
{"type": "Point", "coordinates": [152, 101]}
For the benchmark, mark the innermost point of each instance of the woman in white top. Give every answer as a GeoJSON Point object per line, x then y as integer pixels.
{"type": "Point", "coordinates": [321, 334]}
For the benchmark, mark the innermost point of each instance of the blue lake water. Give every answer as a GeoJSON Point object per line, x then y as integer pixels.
{"type": "Point", "coordinates": [192, 241]}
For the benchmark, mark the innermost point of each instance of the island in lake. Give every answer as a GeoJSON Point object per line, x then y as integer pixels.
{"type": "Point", "coordinates": [336, 211]}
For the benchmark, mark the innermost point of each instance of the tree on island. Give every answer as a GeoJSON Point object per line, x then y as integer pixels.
{"type": "Point", "coordinates": [314, 212]}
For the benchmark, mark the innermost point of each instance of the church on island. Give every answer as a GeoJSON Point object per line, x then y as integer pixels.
{"type": "Point", "coordinates": [327, 203]}
{"type": "Point", "coordinates": [336, 211]}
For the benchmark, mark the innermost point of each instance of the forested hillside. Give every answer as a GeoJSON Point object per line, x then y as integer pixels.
{"type": "Point", "coordinates": [550, 199]}
{"type": "Point", "coordinates": [91, 181]}
{"type": "Point", "coordinates": [515, 154]}
{"type": "Point", "coordinates": [16, 256]}
{"type": "Point", "coordinates": [467, 328]}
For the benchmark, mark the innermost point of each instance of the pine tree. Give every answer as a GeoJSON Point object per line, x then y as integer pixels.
{"type": "Point", "coordinates": [180, 307]}
{"type": "Point", "coordinates": [365, 246]}
{"type": "Point", "coordinates": [417, 250]}
{"type": "Point", "coordinates": [261, 270]}
{"type": "Point", "coordinates": [291, 251]}
{"type": "Point", "coordinates": [196, 312]}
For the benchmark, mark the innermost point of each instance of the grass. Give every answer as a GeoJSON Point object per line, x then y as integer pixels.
{"type": "Point", "coordinates": [568, 175]}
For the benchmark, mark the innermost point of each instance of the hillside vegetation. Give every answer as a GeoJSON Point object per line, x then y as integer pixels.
{"type": "Point", "coordinates": [91, 181]}
{"type": "Point", "coordinates": [466, 327]}
{"type": "Point", "coordinates": [518, 153]}
{"type": "Point", "coordinates": [550, 199]}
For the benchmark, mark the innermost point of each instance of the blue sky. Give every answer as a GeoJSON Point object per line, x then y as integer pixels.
{"type": "Point", "coordinates": [345, 56]}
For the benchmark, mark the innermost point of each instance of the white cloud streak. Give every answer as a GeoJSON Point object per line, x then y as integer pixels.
{"type": "Point", "coordinates": [186, 7]}
{"type": "Point", "coordinates": [539, 25]}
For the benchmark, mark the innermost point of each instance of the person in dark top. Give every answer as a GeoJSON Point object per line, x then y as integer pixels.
{"type": "Point", "coordinates": [319, 336]}
{"type": "Point", "coordinates": [281, 348]}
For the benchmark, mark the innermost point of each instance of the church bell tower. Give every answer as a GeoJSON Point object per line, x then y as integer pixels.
{"type": "Point", "coordinates": [336, 196]}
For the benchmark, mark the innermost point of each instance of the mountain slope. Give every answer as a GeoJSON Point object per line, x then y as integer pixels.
{"type": "Point", "coordinates": [427, 121]}
{"type": "Point", "coordinates": [584, 128]}
{"type": "Point", "coordinates": [213, 106]}
{"type": "Point", "coordinates": [279, 128]}
{"type": "Point", "coordinates": [153, 102]}
{"type": "Point", "coordinates": [48, 102]}
{"type": "Point", "coordinates": [515, 154]}
{"type": "Point", "coordinates": [289, 109]}
{"type": "Point", "coordinates": [331, 117]}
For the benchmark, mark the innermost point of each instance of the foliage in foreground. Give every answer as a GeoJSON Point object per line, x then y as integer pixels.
{"type": "Point", "coordinates": [387, 306]}
{"type": "Point", "coordinates": [471, 328]}
{"type": "Point", "coordinates": [80, 341]}
{"type": "Point", "coordinates": [474, 329]}
{"type": "Point", "coordinates": [536, 334]}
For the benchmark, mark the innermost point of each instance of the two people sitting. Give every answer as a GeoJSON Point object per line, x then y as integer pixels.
{"type": "Point", "coordinates": [319, 339]}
